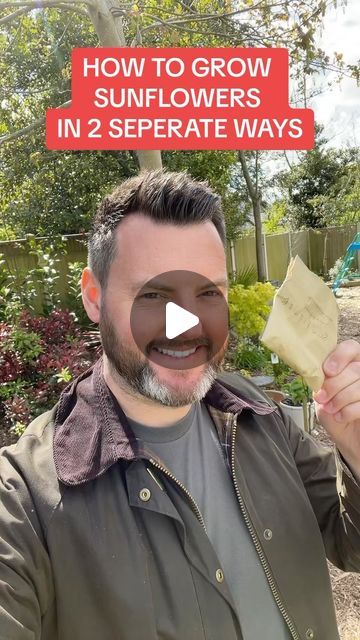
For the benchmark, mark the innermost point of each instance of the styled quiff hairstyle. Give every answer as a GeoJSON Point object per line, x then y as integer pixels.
{"type": "Point", "coordinates": [166, 197]}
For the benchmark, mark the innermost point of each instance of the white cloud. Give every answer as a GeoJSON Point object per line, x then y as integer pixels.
{"type": "Point", "coordinates": [338, 108]}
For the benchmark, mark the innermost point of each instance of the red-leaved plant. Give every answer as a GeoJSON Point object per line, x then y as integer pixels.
{"type": "Point", "coordinates": [38, 358]}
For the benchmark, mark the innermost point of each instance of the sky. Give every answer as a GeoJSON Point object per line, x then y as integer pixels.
{"type": "Point", "coordinates": [339, 108]}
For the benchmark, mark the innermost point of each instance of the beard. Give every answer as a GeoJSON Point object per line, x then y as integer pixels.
{"type": "Point", "coordinates": [136, 376]}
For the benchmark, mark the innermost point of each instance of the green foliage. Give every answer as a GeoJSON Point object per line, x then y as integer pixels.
{"type": "Point", "coordinates": [17, 291]}
{"type": "Point", "coordinates": [250, 356]}
{"type": "Point", "coordinates": [341, 204]}
{"type": "Point", "coordinates": [250, 307]}
{"type": "Point", "coordinates": [298, 391]}
{"type": "Point", "coordinates": [64, 375]}
{"type": "Point", "coordinates": [347, 269]}
{"type": "Point", "coordinates": [24, 289]}
{"type": "Point", "coordinates": [276, 215]}
{"type": "Point", "coordinates": [74, 297]}
{"type": "Point", "coordinates": [246, 277]}
{"type": "Point", "coordinates": [46, 273]}
{"type": "Point", "coordinates": [281, 373]}
{"type": "Point", "coordinates": [323, 189]}
{"type": "Point", "coordinates": [21, 289]}
{"type": "Point", "coordinates": [38, 357]}
{"type": "Point", "coordinates": [246, 373]}
{"type": "Point", "coordinates": [217, 167]}
{"type": "Point", "coordinates": [25, 344]}
{"type": "Point", "coordinates": [335, 270]}
{"type": "Point", "coordinates": [49, 192]}
{"type": "Point", "coordinates": [18, 429]}
{"type": "Point", "coordinates": [11, 389]}
{"type": "Point", "coordinates": [6, 233]}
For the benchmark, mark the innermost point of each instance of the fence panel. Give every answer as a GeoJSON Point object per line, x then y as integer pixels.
{"type": "Point", "coordinates": [318, 248]}
{"type": "Point", "coordinates": [327, 245]}
{"type": "Point", "coordinates": [299, 245]}
{"type": "Point", "coordinates": [339, 239]}
{"type": "Point", "coordinates": [277, 251]}
{"type": "Point", "coordinates": [20, 262]}
{"type": "Point", "coordinates": [245, 252]}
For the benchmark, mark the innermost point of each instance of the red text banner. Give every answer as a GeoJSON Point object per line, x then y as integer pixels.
{"type": "Point", "coordinates": [179, 98]}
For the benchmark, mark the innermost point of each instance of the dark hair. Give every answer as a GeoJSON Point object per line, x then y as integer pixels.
{"type": "Point", "coordinates": [163, 196]}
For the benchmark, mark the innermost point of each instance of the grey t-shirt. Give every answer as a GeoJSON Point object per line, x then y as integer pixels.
{"type": "Point", "coordinates": [191, 450]}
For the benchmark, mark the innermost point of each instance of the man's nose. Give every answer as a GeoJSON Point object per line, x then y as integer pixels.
{"type": "Point", "coordinates": [194, 332]}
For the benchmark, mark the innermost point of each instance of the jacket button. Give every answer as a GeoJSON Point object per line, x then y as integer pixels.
{"type": "Point", "coordinates": [310, 635]}
{"type": "Point", "coordinates": [145, 495]}
{"type": "Point", "coordinates": [219, 575]}
{"type": "Point", "coordinates": [268, 534]}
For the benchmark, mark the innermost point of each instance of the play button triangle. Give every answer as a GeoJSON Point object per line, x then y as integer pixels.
{"type": "Point", "coordinates": [178, 320]}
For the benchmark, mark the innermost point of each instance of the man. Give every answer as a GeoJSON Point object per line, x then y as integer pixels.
{"type": "Point", "coordinates": [161, 499]}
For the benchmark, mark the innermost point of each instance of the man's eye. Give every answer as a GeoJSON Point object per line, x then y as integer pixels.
{"type": "Point", "coordinates": [212, 293]}
{"type": "Point", "coordinates": [151, 295]}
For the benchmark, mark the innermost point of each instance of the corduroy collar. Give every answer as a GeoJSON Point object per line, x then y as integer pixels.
{"type": "Point", "coordinates": [92, 432]}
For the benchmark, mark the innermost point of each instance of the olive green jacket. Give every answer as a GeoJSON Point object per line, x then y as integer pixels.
{"type": "Point", "coordinates": [98, 541]}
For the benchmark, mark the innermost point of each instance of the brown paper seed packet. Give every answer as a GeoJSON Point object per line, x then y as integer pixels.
{"type": "Point", "coordinates": [302, 327]}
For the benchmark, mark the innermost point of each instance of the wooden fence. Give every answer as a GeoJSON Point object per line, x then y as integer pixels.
{"type": "Point", "coordinates": [319, 249]}
{"type": "Point", "coordinates": [20, 262]}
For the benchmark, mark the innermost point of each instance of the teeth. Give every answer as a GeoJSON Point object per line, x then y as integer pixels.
{"type": "Point", "coordinates": [176, 354]}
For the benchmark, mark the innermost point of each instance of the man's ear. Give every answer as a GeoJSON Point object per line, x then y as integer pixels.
{"type": "Point", "coordinates": [91, 294]}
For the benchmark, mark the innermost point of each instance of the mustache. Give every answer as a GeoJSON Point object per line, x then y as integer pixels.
{"type": "Point", "coordinates": [174, 344]}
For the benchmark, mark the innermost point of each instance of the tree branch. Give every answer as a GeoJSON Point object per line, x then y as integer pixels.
{"type": "Point", "coordinates": [33, 4]}
{"type": "Point", "coordinates": [70, 7]}
{"type": "Point", "coordinates": [186, 6]}
{"type": "Point", "coordinates": [165, 23]}
{"type": "Point", "coordinates": [44, 5]}
{"type": "Point", "coordinates": [287, 159]}
{"type": "Point", "coordinates": [199, 17]}
{"type": "Point", "coordinates": [13, 15]}
{"type": "Point", "coordinates": [29, 128]}
{"type": "Point", "coordinates": [246, 174]}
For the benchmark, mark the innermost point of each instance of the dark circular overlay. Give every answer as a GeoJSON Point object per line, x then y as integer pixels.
{"type": "Point", "coordinates": [194, 293]}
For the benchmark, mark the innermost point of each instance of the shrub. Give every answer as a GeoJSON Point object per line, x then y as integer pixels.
{"type": "Point", "coordinates": [74, 295]}
{"type": "Point", "coordinates": [38, 358]}
{"type": "Point", "coordinates": [298, 391]}
{"type": "Point", "coordinates": [22, 289]}
{"type": "Point", "coordinates": [250, 356]}
{"type": "Point", "coordinates": [246, 276]}
{"type": "Point", "coordinates": [250, 307]}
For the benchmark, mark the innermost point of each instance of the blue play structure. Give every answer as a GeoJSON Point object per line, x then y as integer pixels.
{"type": "Point", "coordinates": [347, 264]}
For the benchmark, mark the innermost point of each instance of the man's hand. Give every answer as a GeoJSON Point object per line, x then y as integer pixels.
{"type": "Point", "coordinates": [337, 403]}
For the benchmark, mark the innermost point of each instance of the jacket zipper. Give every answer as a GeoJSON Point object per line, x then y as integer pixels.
{"type": "Point", "coordinates": [256, 541]}
{"type": "Point", "coordinates": [194, 506]}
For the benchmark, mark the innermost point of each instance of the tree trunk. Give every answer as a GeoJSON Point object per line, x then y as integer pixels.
{"type": "Point", "coordinates": [149, 159]}
{"type": "Point", "coordinates": [111, 34]}
{"type": "Point", "coordinates": [255, 197]}
{"type": "Point", "coordinates": [259, 241]}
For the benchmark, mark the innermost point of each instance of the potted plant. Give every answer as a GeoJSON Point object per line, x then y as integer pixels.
{"type": "Point", "coordinates": [276, 395]}
{"type": "Point", "coordinates": [281, 373]}
{"type": "Point", "coordinates": [299, 404]}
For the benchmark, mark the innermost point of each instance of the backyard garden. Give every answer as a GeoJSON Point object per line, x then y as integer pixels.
{"type": "Point", "coordinates": [276, 204]}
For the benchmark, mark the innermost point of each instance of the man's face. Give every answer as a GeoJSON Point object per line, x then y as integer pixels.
{"type": "Point", "coordinates": [148, 271]}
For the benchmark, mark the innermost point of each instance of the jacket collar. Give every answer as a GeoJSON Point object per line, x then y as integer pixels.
{"type": "Point", "coordinates": [92, 432]}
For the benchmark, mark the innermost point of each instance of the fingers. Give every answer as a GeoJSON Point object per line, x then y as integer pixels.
{"type": "Point", "coordinates": [345, 352]}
